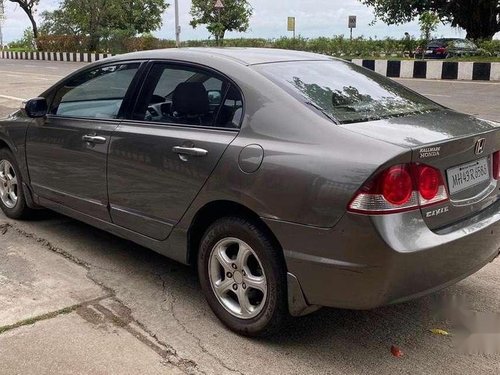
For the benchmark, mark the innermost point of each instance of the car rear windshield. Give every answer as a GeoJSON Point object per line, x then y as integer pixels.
{"type": "Point", "coordinates": [344, 92]}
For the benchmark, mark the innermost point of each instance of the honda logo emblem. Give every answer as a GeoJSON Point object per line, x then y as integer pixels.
{"type": "Point", "coordinates": [480, 146]}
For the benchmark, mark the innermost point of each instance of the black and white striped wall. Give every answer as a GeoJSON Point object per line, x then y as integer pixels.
{"type": "Point", "coordinates": [55, 56]}
{"type": "Point", "coordinates": [475, 71]}
{"type": "Point", "coordinates": [431, 69]}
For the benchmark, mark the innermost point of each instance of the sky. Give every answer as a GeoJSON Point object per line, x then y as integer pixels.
{"type": "Point", "coordinates": [313, 18]}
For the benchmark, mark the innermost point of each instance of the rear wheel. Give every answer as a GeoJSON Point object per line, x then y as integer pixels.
{"type": "Point", "coordinates": [243, 277]}
{"type": "Point", "coordinates": [12, 201]}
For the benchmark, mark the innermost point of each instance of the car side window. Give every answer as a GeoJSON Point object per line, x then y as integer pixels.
{"type": "Point", "coordinates": [187, 96]}
{"type": "Point", "coordinates": [97, 93]}
{"type": "Point", "coordinates": [231, 112]}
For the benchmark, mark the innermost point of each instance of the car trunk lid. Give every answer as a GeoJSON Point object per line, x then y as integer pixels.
{"type": "Point", "coordinates": [461, 147]}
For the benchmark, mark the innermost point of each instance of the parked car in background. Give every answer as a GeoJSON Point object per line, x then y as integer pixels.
{"type": "Point", "coordinates": [290, 180]}
{"type": "Point", "coordinates": [447, 48]}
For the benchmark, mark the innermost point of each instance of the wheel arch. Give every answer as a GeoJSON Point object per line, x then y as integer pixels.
{"type": "Point", "coordinates": [4, 144]}
{"type": "Point", "coordinates": [208, 214]}
{"type": "Point", "coordinates": [215, 210]}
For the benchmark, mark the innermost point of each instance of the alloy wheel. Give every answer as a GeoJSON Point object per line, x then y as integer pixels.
{"type": "Point", "coordinates": [8, 184]}
{"type": "Point", "coordinates": [237, 278]}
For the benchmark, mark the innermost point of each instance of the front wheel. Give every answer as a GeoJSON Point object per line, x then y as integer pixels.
{"type": "Point", "coordinates": [243, 277]}
{"type": "Point", "coordinates": [12, 201]}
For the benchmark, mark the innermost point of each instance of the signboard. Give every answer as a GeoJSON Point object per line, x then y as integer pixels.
{"type": "Point", "coordinates": [291, 23]}
{"type": "Point", "coordinates": [219, 4]}
{"type": "Point", "coordinates": [352, 22]}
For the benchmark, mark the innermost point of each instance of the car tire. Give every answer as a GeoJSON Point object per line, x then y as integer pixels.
{"type": "Point", "coordinates": [237, 261]}
{"type": "Point", "coordinates": [12, 199]}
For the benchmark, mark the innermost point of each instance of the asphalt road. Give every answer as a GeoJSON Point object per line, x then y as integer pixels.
{"type": "Point", "coordinates": [64, 271]}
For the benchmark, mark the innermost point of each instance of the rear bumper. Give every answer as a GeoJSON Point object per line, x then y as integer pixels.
{"type": "Point", "coordinates": [365, 262]}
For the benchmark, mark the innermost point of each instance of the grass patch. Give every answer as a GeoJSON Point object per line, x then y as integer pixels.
{"type": "Point", "coordinates": [31, 321]}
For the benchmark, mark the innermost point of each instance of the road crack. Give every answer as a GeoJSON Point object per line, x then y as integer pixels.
{"type": "Point", "coordinates": [124, 321]}
{"type": "Point", "coordinates": [171, 310]}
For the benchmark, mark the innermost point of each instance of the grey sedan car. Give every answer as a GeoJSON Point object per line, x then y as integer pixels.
{"type": "Point", "coordinates": [289, 180]}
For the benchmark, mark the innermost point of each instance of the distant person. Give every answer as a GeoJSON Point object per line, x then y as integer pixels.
{"type": "Point", "coordinates": [407, 45]}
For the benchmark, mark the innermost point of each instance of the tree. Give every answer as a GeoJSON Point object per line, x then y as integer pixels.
{"type": "Point", "coordinates": [97, 19]}
{"type": "Point", "coordinates": [26, 42]}
{"type": "Point", "coordinates": [29, 7]}
{"type": "Point", "coordinates": [480, 18]}
{"type": "Point", "coordinates": [141, 16]}
{"type": "Point", "coordinates": [58, 22]}
{"type": "Point", "coordinates": [428, 22]}
{"type": "Point", "coordinates": [235, 16]}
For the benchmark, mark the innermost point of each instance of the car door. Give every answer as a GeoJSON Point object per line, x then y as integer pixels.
{"type": "Point", "coordinates": [159, 160]}
{"type": "Point", "coordinates": [67, 152]}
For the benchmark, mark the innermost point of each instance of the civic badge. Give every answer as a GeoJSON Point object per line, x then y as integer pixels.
{"type": "Point", "coordinates": [480, 146]}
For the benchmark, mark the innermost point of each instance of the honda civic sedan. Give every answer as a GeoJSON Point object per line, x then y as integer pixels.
{"type": "Point", "coordinates": [289, 180]}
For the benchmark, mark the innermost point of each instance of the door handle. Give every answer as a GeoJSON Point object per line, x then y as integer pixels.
{"type": "Point", "coordinates": [94, 139]}
{"type": "Point", "coordinates": [191, 151]}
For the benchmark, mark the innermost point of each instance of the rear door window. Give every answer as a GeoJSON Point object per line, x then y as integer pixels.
{"type": "Point", "coordinates": [175, 94]}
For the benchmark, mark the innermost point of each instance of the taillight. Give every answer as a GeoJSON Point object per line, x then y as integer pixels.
{"type": "Point", "coordinates": [496, 165]}
{"type": "Point", "coordinates": [397, 185]}
{"type": "Point", "coordinates": [430, 185]}
{"type": "Point", "coordinates": [400, 188]}
{"type": "Point", "coordinates": [440, 50]}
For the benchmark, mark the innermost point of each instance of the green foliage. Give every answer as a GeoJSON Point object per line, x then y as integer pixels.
{"type": "Point", "coordinates": [490, 47]}
{"type": "Point", "coordinates": [428, 22]}
{"type": "Point", "coordinates": [344, 47]}
{"type": "Point", "coordinates": [27, 42]}
{"type": "Point", "coordinates": [58, 22]}
{"type": "Point", "coordinates": [480, 18]}
{"type": "Point", "coordinates": [338, 46]}
{"type": "Point", "coordinates": [235, 16]}
{"type": "Point", "coordinates": [103, 20]}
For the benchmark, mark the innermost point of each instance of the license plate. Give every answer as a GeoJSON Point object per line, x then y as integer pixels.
{"type": "Point", "coordinates": [429, 52]}
{"type": "Point", "coordinates": [468, 175]}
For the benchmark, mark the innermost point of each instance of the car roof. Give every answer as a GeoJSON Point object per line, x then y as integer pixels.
{"type": "Point", "coordinates": [245, 56]}
{"type": "Point", "coordinates": [449, 40]}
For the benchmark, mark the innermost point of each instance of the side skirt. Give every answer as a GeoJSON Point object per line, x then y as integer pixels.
{"type": "Point", "coordinates": [161, 247]}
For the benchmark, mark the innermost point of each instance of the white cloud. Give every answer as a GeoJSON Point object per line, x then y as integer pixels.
{"type": "Point", "coordinates": [314, 18]}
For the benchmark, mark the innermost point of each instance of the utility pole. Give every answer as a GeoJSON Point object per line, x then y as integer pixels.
{"type": "Point", "coordinates": [2, 17]}
{"type": "Point", "coordinates": [177, 26]}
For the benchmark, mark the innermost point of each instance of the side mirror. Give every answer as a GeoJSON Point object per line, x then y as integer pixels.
{"type": "Point", "coordinates": [36, 107]}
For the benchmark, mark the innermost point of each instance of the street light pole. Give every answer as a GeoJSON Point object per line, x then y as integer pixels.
{"type": "Point", "coordinates": [177, 26]}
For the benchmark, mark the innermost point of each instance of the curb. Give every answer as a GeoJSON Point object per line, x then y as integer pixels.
{"type": "Point", "coordinates": [55, 56]}
{"type": "Point", "coordinates": [443, 70]}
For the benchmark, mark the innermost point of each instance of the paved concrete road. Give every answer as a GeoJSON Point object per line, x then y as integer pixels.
{"type": "Point", "coordinates": [27, 79]}
{"type": "Point", "coordinates": [477, 98]}
{"type": "Point", "coordinates": [74, 299]}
